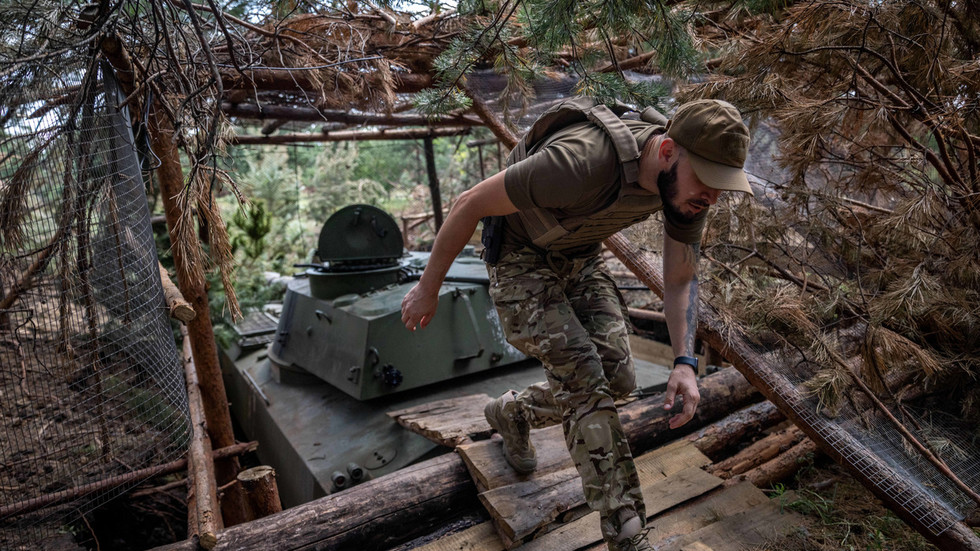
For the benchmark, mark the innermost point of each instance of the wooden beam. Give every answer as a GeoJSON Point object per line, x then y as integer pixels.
{"type": "Point", "coordinates": [353, 135]}
{"type": "Point", "coordinates": [377, 514]}
{"type": "Point", "coordinates": [299, 80]}
{"type": "Point", "coordinates": [281, 113]}
{"type": "Point", "coordinates": [503, 134]}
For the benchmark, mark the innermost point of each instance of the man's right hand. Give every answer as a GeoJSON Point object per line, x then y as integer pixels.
{"type": "Point", "coordinates": [418, 307]}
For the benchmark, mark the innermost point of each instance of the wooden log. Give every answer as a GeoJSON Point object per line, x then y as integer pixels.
{"type": "Point", "coordinates": [239, 86]}
{"type": "Point", "coordinates": [421, 496]}
{"type": "Point", "coordinates": [909, 501]}
{"type": "Point", "coordinates": [217, 414]}
{"type": "Point", "coordinates": [491, 120]}
{"type": "Point", "coordinates": [758, 452]}
{"type": "Point", "coordinates": [261, 492]}
{"type": "Point", "coordinates": [430, 169]}
{"type": "Point", "coordinates": [778, 468]}
{"type": "Point", "coordinates": [649, 315]}
{"type": "Point", "coordinates": [281, 113]}
{"type": "Point", "coordinates": [715, 439]}
{"type": "Point", "coordinates": [206, 510]}
{"type": "Point", "coordinates": [646, 422]}
{"type": "Point", "coordinates": [377, 514]}
{"type": "Point", "coordinates": [351, 135]}
{"type": "Point", "coordinates": [180, 309]}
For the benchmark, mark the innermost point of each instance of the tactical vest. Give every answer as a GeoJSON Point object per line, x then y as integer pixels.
{"type": "Point", "coordinates": [632, 205]}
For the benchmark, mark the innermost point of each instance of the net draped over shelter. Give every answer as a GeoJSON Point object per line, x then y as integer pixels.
{"type": "Point", "coordinates": [91, 385]}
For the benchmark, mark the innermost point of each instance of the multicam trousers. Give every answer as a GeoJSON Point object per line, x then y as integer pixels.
{"type": "Point", "coordinates": [568, 314]}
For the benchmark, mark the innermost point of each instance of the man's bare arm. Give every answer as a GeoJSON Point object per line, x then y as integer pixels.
{"type": "Point", "coordinates": [488, 198]}
{"type": "Point", "coordinates": [681, 311]}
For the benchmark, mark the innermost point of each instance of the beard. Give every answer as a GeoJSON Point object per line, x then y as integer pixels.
{"type": "Point", "coordinates": [667, 185]}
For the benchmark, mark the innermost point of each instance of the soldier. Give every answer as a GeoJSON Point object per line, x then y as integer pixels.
{"type": "Point", "coordinates": [561, 196]}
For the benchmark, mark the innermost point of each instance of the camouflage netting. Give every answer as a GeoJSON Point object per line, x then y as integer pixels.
{"type": "Point", "coordinates": [91, 385]}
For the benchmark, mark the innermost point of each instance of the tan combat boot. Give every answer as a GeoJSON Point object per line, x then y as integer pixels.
{"type": "Point", "coordinates": [505, 417]}
{"type": "Point", "coordinates": [632, 537]}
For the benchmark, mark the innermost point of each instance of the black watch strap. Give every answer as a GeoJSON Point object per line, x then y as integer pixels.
{"type": "Point", "coordinates": [687, 360]}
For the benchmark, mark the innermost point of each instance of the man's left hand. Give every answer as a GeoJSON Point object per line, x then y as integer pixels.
{"type": "Point", "coordinates": [682, 382]}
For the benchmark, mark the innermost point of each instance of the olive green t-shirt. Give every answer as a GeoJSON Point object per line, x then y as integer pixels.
{"type": "Point", "coordinates": [575, 172]}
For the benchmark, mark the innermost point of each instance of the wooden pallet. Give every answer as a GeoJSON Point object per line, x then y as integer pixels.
{"type": "Point", "coordinates": [687, 508]}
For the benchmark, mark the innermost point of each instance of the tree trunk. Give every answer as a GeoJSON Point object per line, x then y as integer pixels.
{"type": "Point", "coordinates": [377, 514]}
{"type": "Point", "coordinates": [430, 166]}
{"type": "Point", "coordinates": [216, 412]}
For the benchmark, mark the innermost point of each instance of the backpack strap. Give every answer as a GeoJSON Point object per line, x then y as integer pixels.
{"type": "Point", "coordinates": [626, 149]}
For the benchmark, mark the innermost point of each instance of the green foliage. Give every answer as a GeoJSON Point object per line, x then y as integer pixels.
{"type": "Point", "coordinates": [249, 226]}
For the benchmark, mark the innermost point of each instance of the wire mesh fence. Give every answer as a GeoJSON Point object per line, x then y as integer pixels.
{"type": "Point", "coordinates": [91, 386]}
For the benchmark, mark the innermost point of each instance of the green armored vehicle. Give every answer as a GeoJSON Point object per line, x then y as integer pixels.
{"type": "Point", "coordinates": [312, 379]}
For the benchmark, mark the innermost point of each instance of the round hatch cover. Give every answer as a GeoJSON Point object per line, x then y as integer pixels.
{"type": "Point", "coordinates": [359, 235]}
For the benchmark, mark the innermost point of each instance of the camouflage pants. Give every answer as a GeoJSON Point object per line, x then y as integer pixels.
{"type": "Point", "coordinates": [569, 315]}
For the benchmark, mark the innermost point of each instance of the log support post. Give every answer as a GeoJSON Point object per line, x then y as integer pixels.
{"type": "Point", "coordinates": [200, 332]}
{"type": "Point", "coordinates": [430, 166]}
{"type": "Point", "coordinates": [261, 492]}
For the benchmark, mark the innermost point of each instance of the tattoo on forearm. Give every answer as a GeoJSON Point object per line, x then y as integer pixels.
{"type": "Point", "coordinates": [691, 315]}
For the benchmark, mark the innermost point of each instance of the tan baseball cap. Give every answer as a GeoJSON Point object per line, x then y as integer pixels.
{"type": "Point", "coordinates": [716, 140]}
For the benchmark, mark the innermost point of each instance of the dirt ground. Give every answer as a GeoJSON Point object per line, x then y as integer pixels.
{"type": "Point", "coordinates": [840, 514]}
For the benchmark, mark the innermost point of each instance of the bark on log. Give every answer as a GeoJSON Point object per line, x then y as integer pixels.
{"type": "Point", "coordinates": [646, 422]}
{"type": "Point", "coordinates": [261, 492]}
{"type": "Point", "coordinates": [352, 135]}
{"type": "Point", "coordinates": [377, 514]}
{"type": "Point", "coordinates": [901, 495]}
{"type": "Point", "coordinates": [217, 414]}
{"type": "Point", "coordinates": [206, 510]}
{"type": "Point", "coordinates": [778, 468]}
{"type": "Point", "coordinates": [720, 436]}
{"type": "Point", "coordinates": [180, 309]}
{"type": "Point", "coordinates": [758, 452]}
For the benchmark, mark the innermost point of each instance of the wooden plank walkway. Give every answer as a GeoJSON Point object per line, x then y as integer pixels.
{"type": "Point", "coordinates": [688, 509]}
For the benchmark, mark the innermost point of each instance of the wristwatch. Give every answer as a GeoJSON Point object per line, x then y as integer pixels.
{"type": "Point", "coordinates": [687, 360]}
